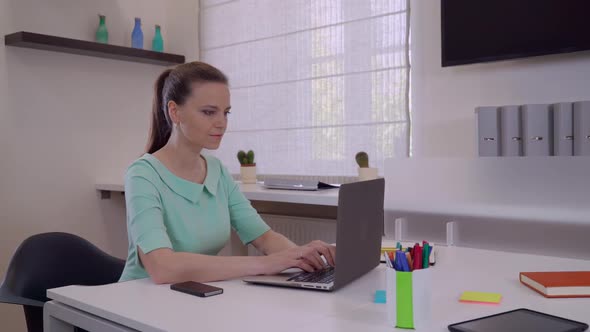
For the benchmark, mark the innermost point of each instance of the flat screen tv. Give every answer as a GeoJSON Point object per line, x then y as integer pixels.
{"type": "Point", "coordinates": [490, 30]}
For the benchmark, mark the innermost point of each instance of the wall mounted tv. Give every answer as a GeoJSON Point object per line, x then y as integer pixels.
{"type": "Point", "coordinates": [490, 30]}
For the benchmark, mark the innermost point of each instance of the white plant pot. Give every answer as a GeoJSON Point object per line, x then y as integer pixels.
{"type": "Point", "coordinates": [367, 173]}
{"type": "Point", "coordinates": [248, 174]}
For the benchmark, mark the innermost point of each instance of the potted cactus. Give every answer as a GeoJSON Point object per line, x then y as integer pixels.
{"type": "Point", "coordinates": [247, 166]}
{"type": "Point", "coordinates": [365, 172]}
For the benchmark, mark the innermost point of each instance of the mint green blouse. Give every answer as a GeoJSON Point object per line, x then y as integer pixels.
{"type": "Point", "coordinates": [165, 211]}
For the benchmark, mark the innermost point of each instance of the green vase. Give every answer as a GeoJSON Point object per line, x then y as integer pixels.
{"type": "Point", "coordinates": [102, 35]}
{"type": "Point", "coordinates": [158, 42]}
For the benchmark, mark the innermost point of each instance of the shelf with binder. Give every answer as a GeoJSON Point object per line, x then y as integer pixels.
{"type": "Point", "coordinates": [563, 129]}
{"type": "Point", "coordinates": [558, 129]}
{"type": "Point", "coordinates": [510, 131]}
{"type": "Point", "coordinates": [536, 130]}
{"type": "Point", "coordinates": [581, 115]}
{"type": "Point", "coordinates": [488, 131]}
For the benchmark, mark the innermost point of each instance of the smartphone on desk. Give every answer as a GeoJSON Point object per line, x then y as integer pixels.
{"type": "Point", "coordinates": [196, 288]}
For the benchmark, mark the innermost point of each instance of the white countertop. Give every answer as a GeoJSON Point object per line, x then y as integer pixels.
{"type": "Point", "coordinates": [535, 189]}
{"type": "Point", "coordinates": [402, 206]}
{"type": "Point", "coordinates": [453, 211]}
{"type": "Point", "coordinates": [255, 192]}
{"type": "Point", "coordinates": [142, 305]}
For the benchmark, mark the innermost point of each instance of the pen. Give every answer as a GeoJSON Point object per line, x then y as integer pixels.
{"type": "Point", "coordinates": [397, 263]}
{"type": "Point", "coordinates": [410, 262]}
{"type": "Point", "coordinates": [391, 257]}
{"type": "Point", "coordinates": [387, 260]}
{"type": "Point", "coordinates": [401, 256]}
{"type": "Point", "coordinates": [417, 257]}
{"type": "Point", "coordinates": [425, 258]}
{"type": "Point", "coordinates": [432, 254]}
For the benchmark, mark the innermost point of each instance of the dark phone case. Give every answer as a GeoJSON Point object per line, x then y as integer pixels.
{"type": "Point", "coordinates": [196, 288]}
{"type": "Point", "coordinates": [582, 326]}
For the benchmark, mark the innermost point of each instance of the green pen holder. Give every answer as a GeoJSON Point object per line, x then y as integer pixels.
{"type": "Point", "coordinates": [409, 298]}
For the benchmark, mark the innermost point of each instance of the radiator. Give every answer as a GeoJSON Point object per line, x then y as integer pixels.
{"type": "Point", "coordinates": [300, 230]}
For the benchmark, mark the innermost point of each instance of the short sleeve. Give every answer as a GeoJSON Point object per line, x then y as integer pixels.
{"type": "Point", "coordinates": [145, 221]}
{"type": "Point", "coordinates": [244, 218]}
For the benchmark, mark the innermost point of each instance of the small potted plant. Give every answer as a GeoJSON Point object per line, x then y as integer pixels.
{"type": "Point", "coordinates": [365, 172]}
{"type": "Point", "coordinates": [248, 166]}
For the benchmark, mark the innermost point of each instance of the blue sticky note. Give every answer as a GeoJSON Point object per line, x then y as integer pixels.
{"type": "Point", "coordinates": [380, 296]}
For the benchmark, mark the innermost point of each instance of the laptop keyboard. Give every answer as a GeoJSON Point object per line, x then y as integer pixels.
{"type": "Point", "coordinates": [324, 276]}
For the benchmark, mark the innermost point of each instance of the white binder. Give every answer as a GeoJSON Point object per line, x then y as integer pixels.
{"type": "Point", "coordinates": [582, 128]}
{"type": "Point", "coordinates": [488, 131]}
{"type": "Point", "coordinates": [563, 129]}
{"type": "Point", "coordinates": [510, 131]}
{"type": "Point", "coordinates": [537, 130]}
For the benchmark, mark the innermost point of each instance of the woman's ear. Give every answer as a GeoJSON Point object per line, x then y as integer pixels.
{"type": "Point", "coordinates": [173, 112]}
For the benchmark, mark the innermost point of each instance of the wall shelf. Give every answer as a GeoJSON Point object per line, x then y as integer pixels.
{"type": "Point", "coordinates": [83, 47]}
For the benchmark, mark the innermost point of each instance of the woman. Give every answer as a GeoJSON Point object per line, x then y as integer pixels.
{"type": "Point", "coordinates": [181, 204]}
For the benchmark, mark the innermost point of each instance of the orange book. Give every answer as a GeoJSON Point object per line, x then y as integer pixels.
{"type": "Point", "coordinates": [558, 284]}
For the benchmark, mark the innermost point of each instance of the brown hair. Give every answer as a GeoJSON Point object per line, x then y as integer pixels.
{"type": "Point", "coordinates": [175, 84]}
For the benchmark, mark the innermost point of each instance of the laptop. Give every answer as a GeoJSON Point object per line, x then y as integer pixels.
{"type": "Point", "coordinates": [289, 184]}
{"type": "Point", "coordinates": [358, 241]}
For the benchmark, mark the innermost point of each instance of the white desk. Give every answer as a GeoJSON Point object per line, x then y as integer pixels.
{"type": "Point", "coordinates": [142, 305]}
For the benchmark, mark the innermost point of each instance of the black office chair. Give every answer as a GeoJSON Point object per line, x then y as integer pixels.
{"type": "Point", "coordinates": [50, 260]}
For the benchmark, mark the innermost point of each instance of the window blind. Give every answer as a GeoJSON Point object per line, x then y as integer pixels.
{"type": "Point", "coordinates": [312, 82]}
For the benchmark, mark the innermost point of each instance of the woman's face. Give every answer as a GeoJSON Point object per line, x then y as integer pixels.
{"type": "Point", "coordinates": [202, 120]}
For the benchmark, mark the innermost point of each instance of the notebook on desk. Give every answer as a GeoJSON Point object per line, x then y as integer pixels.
{"type": "Point", "coordinates": [558, 284]}
{"type": "Point", "coordinates": [289, 184]}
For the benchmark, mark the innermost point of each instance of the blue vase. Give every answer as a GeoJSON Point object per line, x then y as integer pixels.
{"type": "Point", "coordinates": [137, 35]}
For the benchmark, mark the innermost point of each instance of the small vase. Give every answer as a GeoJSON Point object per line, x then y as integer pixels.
{"type": "Point", "coordinates": [248, 174]}
{"type": "Point", "coordinates": [137, 35]}
{"type": "Point", "coordinates": [158, 42]}
{"type": "Point", "coordinates": [102, 34]}
{"type": "Point", "coordinates": [367, 173]}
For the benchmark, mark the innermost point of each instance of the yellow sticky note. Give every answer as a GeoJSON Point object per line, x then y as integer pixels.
{"type": "Point", "coordinates": [384, 249]}
{"type": "Point", "coordinates": [480, 297]}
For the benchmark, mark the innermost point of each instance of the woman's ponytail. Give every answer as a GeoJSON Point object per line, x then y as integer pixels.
{"type": "Point", "coordinates": [161, 127]}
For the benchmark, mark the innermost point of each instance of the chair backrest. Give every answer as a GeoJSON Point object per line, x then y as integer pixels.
{"type": "Point", "coordinates": [50, 260]}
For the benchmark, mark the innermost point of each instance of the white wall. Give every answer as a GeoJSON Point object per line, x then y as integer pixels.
{"type": "Point", "coordinates": [443, 99]}
{"type": "Point", "coordinates": [67, 120]}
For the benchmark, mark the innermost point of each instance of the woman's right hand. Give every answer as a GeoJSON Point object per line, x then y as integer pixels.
{"type": "Point", "coordinates": [305, 257]}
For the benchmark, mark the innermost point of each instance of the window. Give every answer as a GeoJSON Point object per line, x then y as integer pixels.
{"type": "Point", "coordinates": [312, 82]}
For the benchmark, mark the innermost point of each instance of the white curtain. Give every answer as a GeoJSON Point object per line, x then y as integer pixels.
{"type": "Point", "coordinates": [312, 82]}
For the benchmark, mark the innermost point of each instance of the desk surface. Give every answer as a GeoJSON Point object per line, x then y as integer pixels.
{"type": "Point", "coordinates": [142, 305]}
{"type": "Point", "coordinates": [255, 192]}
